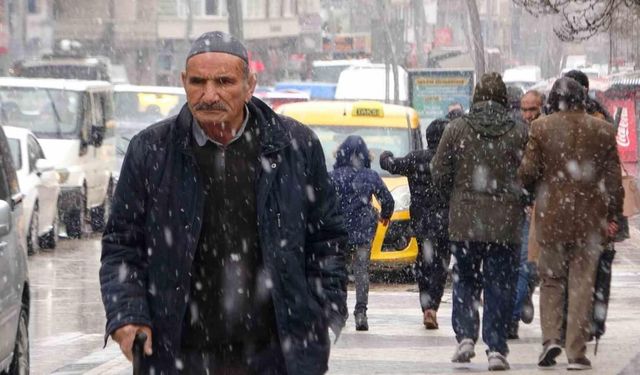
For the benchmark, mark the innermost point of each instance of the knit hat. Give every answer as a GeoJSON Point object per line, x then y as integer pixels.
{"type": "Point", "coordinates": [217, 41]}
{"type": "Point", "coordinates": [490, 87]}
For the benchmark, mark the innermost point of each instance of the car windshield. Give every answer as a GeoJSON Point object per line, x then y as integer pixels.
{"type": "Point", "coordinates": [146, 107]}
{"type": "Point", "coordinates": [378, 140]}
{"type": "Point", "coordinates": [16, 154]}
{"type": "Point", "coordinates": [46, 112]}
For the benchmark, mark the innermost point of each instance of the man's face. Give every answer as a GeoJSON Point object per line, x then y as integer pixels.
{"type": "Point", "coordinates": [217, 88]}
{"type": "Point", "coordinates": [531, 107]}
{"type": "Point", "coordinates": [455, 106]}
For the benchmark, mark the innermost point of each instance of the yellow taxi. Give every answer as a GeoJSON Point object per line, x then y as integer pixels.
{"type": "Point", "coordinates": [383, 127]}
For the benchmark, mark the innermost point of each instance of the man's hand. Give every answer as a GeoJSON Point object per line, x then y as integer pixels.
{"type": "Point", "coordinates": [125, 335]}
{"type": "Point", "coordinates": [384, 222]}
{"type": "Point", "coordinates": [613, 229]}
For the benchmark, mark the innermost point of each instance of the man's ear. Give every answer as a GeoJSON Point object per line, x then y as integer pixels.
{"type": "Point", "coordinates": [252, 82]}
{"type": "Point", "coordinates": [183, 76]}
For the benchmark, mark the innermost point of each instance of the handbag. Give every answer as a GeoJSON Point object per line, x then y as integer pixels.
{"type": "Point", "coordinates": [631, 204]}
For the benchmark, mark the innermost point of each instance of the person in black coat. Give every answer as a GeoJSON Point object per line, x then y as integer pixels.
{"type": "Point", "coordinates": [356, 183]}
{"type": "Point", "coordinates": [225, 245]}
{"type": "Point", "coordinates": [429, 212]}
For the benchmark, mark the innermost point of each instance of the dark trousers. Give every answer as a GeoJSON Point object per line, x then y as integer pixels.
{"type": "Point", "coordinates": [527, 273]}
{"type": "Point", "coordinates": [431, 270]}
{"type": "Point", "coordinates": [488, 267]}
{"type": "Point", "coordinates": [234, 359]}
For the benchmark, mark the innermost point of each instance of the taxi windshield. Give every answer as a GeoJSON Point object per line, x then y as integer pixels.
{"type": "Point", "coordinates": [146, 107]}
{"type": "Point", "coordinates": [396, 140]}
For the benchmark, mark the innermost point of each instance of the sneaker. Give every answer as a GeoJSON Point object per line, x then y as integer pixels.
{"type": "Point", "coordinates": [464, 352]}
{"type": "Point", "coordinates": [497, 362]}
{"type": "Point", "coordinates": [526, 314]}
{"type": "Point", "coordinates": [430, 320]}
{"type": "Point", "coordinates": [579, 364]}
{"type": "Point", "coordinates": [512, 332]}
{"type": "Point", "coordinates": [361, 321]}
{"type": "Point", "coordinates": [548, 356]}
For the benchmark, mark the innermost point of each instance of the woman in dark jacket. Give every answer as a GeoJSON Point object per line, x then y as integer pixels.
{"type": "Point", "coordinates": [355, 184]}
{"type": "Point", "coordinates": [429, 219]}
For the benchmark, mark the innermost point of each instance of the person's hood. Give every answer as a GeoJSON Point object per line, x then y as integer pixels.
{"type": "Point", "coordinates": [353, 152]}
{"type": "Point", "coordinates": [490, 119]}
{"type": "Point", "coordinates": [434, 132]}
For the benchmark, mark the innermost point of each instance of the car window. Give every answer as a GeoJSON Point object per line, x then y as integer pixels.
{"type": "Point", "coordinates": [34, 153]}
{"type": "Point", "coordinates": [16, 152]}
{"type": "Point", "coordinates": [47, 113]}
{"type": "Point", "coordinates": [97, 113]}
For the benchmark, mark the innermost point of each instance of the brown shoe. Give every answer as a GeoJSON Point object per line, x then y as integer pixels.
{"type": "Point", "coordinates": [430, 320]}
{"type": "Point", "coordinates": [579, 364]}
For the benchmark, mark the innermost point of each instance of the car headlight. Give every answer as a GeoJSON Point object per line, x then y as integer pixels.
{"type": "Point", "coordinates": [402, 197]}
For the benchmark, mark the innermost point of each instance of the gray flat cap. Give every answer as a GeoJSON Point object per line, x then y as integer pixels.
{"type": "Point", "coordinates": [217, 41]}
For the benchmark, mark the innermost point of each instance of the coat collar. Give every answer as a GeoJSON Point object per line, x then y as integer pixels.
{"type": "Point", "coordinates": [273, 134]}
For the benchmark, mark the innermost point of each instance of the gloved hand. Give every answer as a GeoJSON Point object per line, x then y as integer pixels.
{"type": "Point", "coordinates": [385, 159]}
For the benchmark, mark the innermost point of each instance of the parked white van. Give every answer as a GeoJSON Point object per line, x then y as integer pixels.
{"type": "Point", "coordinates": [73, 121]}
{"type": "Point", "coordinates": [368, 82]}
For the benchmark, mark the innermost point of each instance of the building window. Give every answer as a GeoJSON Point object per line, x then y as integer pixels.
{"type": "Point", "coordinates": [213, 8]}
{"type": "Point", "coordinates": [288, 8]}
{"type": "Point", "coordinates": [254, 8]}
{"type": "Point", "coordinates": [275, 8]}
{"type": "Point", "coordinates": [32, 6]}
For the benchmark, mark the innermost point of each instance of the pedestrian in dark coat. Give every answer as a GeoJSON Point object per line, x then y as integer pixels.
{"type": "Point", "coordinates": [572, 162]}
{"type": "Point", "coordinates": [592, 106]}
{"type": "Point", "coordinates": [356, 184]}
{"type": "Point", "coordinates": [429, 212]}
{"type": "Point", "coordinates": [225, 244]}
{"type": "Point", "coordinates": [476, 163]}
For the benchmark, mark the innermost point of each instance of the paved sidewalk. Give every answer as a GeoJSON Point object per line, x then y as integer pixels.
{"type": "Point", "coordinates": [397, 343]}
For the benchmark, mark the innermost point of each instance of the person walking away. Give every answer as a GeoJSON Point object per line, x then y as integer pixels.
{"type": "Point", "coordinates": [429, 211]}
{"type": "Point", "coordinates": [595, 108]}
{"type": "Point", "coordinates": [530, 108]}
{"type": "Point", "coordinates": [356, 183]}
{"type": "Point", "coordinates": [476, 162]}
{"type": "Point", "coordinates": [572, 162]}
{"type": "Point", "coordinates": [592, 106]}
{"type": "Point", "coordinates": [225, 244]}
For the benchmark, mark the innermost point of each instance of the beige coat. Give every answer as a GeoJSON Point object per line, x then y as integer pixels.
{"type": "Point", "coordinates": [572, 161]}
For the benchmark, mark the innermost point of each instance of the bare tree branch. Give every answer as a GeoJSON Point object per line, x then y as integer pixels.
{"type": "Point", "coordinates": [581, 19]}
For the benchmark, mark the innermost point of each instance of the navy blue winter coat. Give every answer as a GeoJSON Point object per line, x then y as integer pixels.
{"type": "Point", "coordinates": [152, 233]}
{"type": "Point", "coordinates": [356, 183]}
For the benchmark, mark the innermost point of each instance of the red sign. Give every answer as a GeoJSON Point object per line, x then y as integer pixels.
{"type": "Point", "coordinates": [443, 37]}
{"type": "Point", "coordinates": [626, 137]}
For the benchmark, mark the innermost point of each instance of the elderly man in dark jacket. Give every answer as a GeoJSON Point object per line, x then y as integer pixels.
{"type": "Point", "coordinates": [224, 244]}
{"type": "Point", "coordinates": [476, 162]}
{"type": "Point", "coordinates": [572, 162]}
{"type": "Point", "coordinates": [429, 219]}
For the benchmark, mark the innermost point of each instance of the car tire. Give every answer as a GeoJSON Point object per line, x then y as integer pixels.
{"type": "Point", "coordinates": [20, 362]}
{"type": "Point", "coordinates": [99, 215]}
{"type": "Point", "coordinates": [49, 240]}
{"type": "Point", "coordinates": [75, 220]}
{"type": "Point", "coordinates": [32, 235]}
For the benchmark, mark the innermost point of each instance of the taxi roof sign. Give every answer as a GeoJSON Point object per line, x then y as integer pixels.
{"type": "Point", "coordinates": [367, 109]}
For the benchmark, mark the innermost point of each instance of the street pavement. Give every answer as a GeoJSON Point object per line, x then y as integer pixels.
{"type": "Point", "coordinates": [67, 323]}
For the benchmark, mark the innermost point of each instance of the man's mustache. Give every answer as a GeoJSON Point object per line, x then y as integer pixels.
{"type": "Point", "coordinates": [217, 106]}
